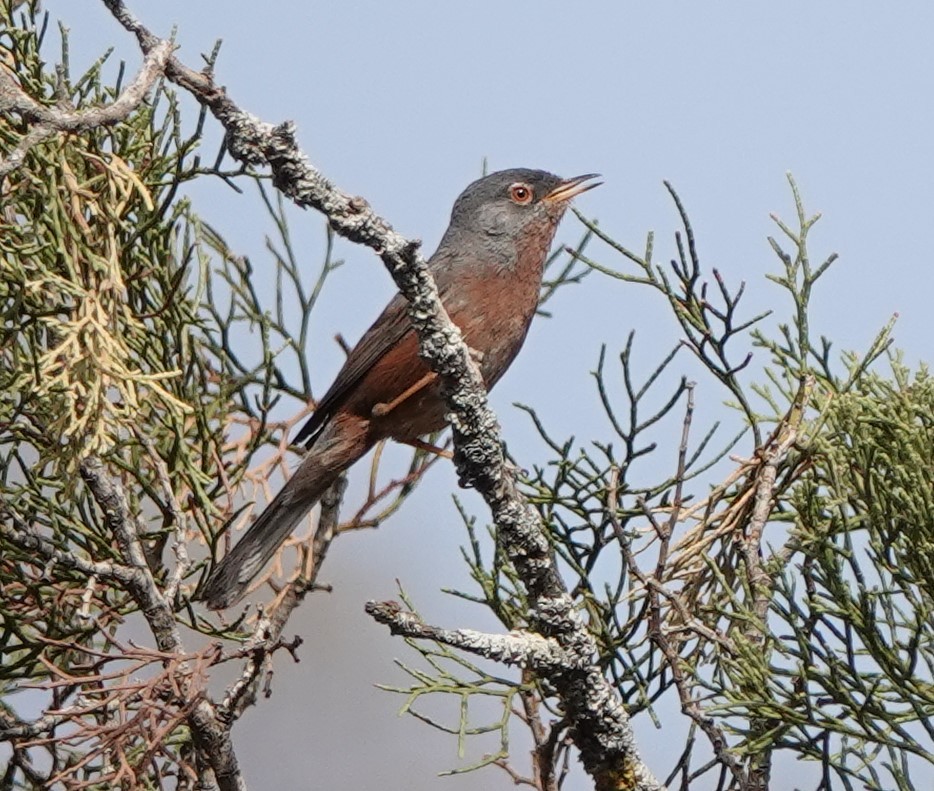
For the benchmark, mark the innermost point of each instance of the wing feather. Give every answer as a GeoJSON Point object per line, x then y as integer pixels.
{"type": "Point", "coordinates": [383, 334]}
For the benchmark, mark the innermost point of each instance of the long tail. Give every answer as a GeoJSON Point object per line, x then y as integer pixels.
{"type": "Point", "coordinates": [334, 451]}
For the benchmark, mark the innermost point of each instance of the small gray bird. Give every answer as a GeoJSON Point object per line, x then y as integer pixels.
{"type": "Point", "coordinates": [488, 269]}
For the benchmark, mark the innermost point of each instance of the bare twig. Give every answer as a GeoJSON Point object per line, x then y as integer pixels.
{"type": "Point", "coordinates": [180, 544]}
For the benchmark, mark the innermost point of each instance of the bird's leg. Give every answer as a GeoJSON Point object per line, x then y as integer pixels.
{"type": "Point", "coordinates": [381, 409]}
{"type": "Point", "coordinates": [420, 444]}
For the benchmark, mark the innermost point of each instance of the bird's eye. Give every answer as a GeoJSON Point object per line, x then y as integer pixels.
{"type": "Point", "coordinates": [521, 193]}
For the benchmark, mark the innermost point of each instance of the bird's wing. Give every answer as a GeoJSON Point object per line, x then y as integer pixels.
{"type": "Point", "coordinates": [384, 333]}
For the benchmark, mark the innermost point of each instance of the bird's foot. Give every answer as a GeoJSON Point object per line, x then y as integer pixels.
{"type": "Point", "coordinates": [419, 444]}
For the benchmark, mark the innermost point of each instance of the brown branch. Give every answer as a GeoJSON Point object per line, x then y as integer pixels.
{"type": "Point", "coordinates": [544, 740]}
{"type": "Point", "coordinates": [210, 732]}
{"type": "Point", "coordinates": [659, 631]}
{"type": "Point", "coordinates": [760, 581]}
{"type": "Point", "coordinates": [179, 521]}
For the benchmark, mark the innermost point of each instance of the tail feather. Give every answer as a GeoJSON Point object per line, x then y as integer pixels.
{"type": "Point", "coordinates": [335, 450]}
{"type": "Point", "coordinates": [230, 579]}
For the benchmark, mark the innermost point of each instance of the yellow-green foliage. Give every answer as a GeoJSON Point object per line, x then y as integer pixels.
{"type": "Point", "coordinates": [875, 461]}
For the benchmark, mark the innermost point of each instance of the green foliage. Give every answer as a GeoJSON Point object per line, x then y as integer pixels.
{"type": "Point", "coordinates": [102, 349]}
{"type": "Point", "coordinates": [858, 603]}
{"type": "Point", "coordinates": [110, 349]}
{"type": "Point", "coordinates": [799, 579]}
{"type": "Point", "coordinates": [876, 454]}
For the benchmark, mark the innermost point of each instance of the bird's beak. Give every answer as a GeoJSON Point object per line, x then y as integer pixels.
{"type": "Point", "coordinates": [570, 188]}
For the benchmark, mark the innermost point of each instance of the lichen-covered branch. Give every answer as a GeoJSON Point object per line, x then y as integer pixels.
{"type": "Point", "coordinates": [526, 649]}
{"type": "Point", "coordinates": [19, 535]}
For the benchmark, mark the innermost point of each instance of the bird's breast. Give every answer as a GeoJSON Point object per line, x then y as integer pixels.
{"type": "Point", "coordinates": [494, 313]}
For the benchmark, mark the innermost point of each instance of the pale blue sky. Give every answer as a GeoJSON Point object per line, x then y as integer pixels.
{"type": "Point", "coordinates": [401, 101]}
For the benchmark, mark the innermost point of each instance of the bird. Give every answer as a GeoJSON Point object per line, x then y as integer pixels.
{"type": "Point", "coordinates": [488, 269]}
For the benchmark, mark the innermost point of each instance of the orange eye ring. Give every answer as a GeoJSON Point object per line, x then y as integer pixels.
{"type": "Point", "coordinates": [520, 193]}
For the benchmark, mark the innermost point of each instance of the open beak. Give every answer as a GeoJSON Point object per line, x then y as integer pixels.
{"type": "Point", "coordinates": [570, 188]}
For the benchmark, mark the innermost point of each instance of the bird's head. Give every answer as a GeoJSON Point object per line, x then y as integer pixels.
{"type": "Point", "coordinates": [514, 202]}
